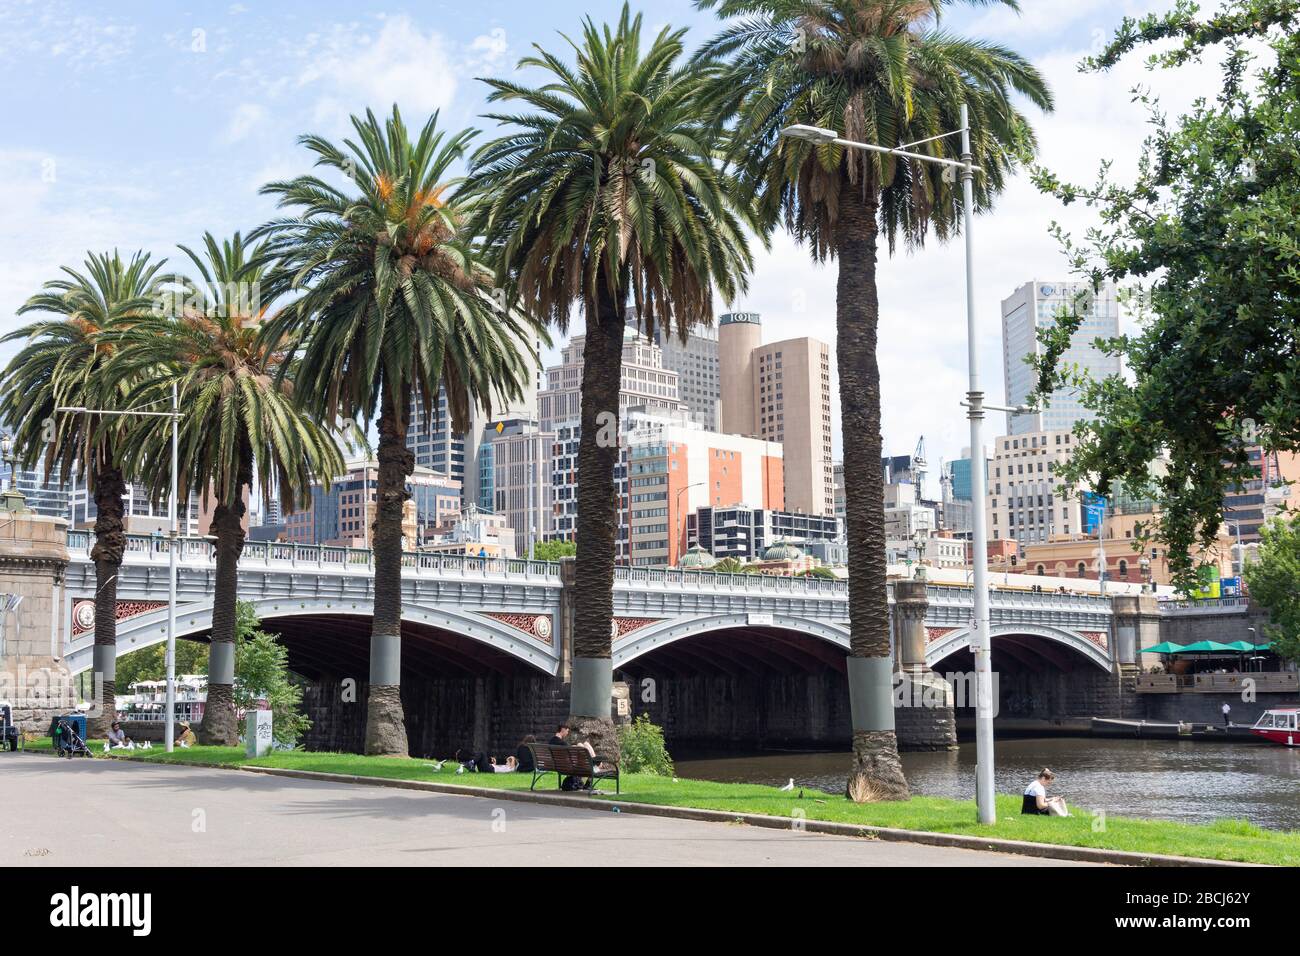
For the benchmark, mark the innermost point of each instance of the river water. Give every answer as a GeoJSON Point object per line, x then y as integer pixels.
{"type": "Point", "coordinates": [1169, 779]}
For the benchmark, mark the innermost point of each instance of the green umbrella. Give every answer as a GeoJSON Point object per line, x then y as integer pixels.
{"type": "Point", "coordinates": [1242, 646]}
{"type": "Point", "coordinates": [1201, 647]}
{"type": "Point", "coordinates": [1162, 648]}
{"type": "Point", "coordinates": [1263, 647]}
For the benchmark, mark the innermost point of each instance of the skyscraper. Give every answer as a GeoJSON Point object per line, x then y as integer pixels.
{"type": "Point", "coordinates": [1035, 305]}
{"type": "Point", "coordinates": [646, 382]}
{"type": "Point", "coordinates": [439, 447]}
{"type": "Point", "coordinates": [739, 334]}
{"type": "Point", "coordinates": [781, 392]}
{"type": "Point", "coordinates": [695, 361]}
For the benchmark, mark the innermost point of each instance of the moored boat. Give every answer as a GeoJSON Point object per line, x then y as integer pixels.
{"type": "Point", "coordinates": [1279, 726]}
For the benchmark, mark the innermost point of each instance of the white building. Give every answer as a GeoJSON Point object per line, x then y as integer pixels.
{"type": "Point", "coordinates": [1035, 305]}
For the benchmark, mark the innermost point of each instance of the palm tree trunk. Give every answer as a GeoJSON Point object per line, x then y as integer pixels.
{"type": "Point", "coordinates": [385, 722]}
{"type": "Point", "coordinates": [593, 595]}
{"type": "Point", "coordinates": [110, 546]}
{"type": "Point", "coordinates": [877, 772]}
{"type": "Point", "coordinates": [220, 726]}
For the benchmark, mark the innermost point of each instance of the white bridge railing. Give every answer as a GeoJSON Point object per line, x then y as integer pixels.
{"type": "Point", "coordinates": [714, 580]}
{"type": "Point", "coordinates": [150, 549]}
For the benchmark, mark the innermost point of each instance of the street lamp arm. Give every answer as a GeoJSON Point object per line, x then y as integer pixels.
{"type": "Point", "coordinates": [77, 409]}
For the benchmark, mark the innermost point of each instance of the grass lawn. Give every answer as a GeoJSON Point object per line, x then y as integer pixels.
{"type": "Point", "coordinates": [1222, 840]}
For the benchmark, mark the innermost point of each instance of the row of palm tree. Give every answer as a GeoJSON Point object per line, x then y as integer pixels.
{"type": "Point", "coordinates": [628, 183]}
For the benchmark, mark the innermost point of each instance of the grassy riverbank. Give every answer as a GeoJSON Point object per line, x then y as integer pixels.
{"type": "Point", "coordinates": [1223, 840]}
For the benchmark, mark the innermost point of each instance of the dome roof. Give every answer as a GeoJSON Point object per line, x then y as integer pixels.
{"type": "Point", "coordinates": [697, 558]}
{"type": "Point", "coordinates": [782, 551]}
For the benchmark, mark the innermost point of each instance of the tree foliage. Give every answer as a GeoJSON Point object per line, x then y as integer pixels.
{"type": "Point", "coordinates": [1274, 581]}
{"type": "Point", "coordinates": [262, 674]}
{"type": "Point", "coordinates": [554, 550]}
{"type": "Point", "coordinates": [1205, 244]}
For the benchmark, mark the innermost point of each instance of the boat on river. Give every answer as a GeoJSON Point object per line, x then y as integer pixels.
{"type": "Point", "coordinates": [1279, 726]}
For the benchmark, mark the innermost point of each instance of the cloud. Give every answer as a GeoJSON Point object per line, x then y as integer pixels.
{"type": "Point", "coordinates": [246, 118]}
{"type": "Point", "coordinates": [72, 40]}
{"type": "Point", "coordinates": [355, 69]}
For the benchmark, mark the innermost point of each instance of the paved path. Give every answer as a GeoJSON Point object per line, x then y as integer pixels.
{"type": "Point", "coordinates": [112, 812]}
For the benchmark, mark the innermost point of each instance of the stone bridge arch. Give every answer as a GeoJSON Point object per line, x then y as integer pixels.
{"type": "Point", "coordinates": [460, 634]}
{"type": "Point", "coordinates": [1040, 640]}
{"type": "Point", "coordinates": [816, 642]}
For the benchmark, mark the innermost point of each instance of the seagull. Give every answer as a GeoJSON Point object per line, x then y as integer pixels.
{"type": "Point", "coordinates": [106, 747]}
{"type": "Point", "coordinates": [460, 768]}
{"type": "Point", "coordinates": [436, 766]}
{"type": "Point", "coordinates": [789, 786]}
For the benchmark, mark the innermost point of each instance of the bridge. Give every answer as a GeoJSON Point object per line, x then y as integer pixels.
{"type": "Point", "coordinates": [470, 616]}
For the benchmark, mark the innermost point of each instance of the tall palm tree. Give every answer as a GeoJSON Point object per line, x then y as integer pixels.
{"type": "Point", "coordinates": [63, 366]}
{"type": "Point", "coordinates": [394, 301]}
{"type": "Point", "coordinates": [605, 197]}
{"type": "Point", "coordinates": [882, 72]}
{"type": "Point", "coordinates": [240, 423]}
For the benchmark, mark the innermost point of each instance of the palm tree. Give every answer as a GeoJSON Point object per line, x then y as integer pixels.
{"type": "Point", "coordinates": [63, 366]}
{"type": "Point", "coordinates": [240, 424]}
{"type": "Point", "coordinates": [605, 197]}
{"type": "Point", "coordinates": [883, 72]}
{"type": "Point", "coordinates": [394, 301]}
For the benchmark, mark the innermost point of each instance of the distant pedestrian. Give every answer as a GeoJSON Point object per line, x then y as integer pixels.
{"type": "Point", "coordinates": [561, 736]}
{"type": "Point", "coordinates": [1227, 714]}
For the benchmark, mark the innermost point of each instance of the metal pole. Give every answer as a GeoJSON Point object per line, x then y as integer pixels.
{"type": "Point", "coordinates": [980, 643]}
{"type": "Point", "coordinates": [170, 717]}
{"type": "Point", "coordinates": [1101, 547]}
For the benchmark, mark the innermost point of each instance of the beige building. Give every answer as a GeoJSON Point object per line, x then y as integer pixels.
{"type": "Point", "coordinates": [1027, 502]}
{"type": "Point", "coordinates": [645, 383]}
{"type": "Point", "coordinates": [781, 392]}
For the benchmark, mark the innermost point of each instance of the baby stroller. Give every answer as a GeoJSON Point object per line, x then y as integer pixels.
{"type": "Point", "coordinates": [69, 736]}
{"type": "Point", "coordinates": [9, 736]}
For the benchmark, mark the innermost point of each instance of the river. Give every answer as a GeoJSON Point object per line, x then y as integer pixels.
{"type": "Point", "coordinates": [1168, 779]}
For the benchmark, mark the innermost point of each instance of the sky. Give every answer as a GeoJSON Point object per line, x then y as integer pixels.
{"type": "Point", "coordinates": [141, 125]}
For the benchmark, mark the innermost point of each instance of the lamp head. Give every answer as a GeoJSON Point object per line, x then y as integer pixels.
{"type": "Point", "coordinates": [810, 134]}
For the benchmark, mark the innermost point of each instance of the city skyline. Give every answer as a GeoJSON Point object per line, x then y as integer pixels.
{"type": "Point", "coordinates": [260, 78]}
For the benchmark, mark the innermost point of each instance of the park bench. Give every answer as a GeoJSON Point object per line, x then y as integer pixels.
{"type": "Point", "coordinates": [570, 762]}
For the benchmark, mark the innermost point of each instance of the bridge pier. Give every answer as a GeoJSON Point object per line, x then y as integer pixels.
{"type": "Point", "coordinates": [33, 676]}
{"type": "Point", "coordinates": [923, 701]}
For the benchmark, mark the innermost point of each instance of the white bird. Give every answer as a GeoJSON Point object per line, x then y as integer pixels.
{"type": "Point", "coordinates": [460, 768]}
{"type": "Point", "coordinates": [106, 747]}
{"type": "Point", "coordinates": [436, 766]}
{"type": "Point", "coordinates": [789, 786]}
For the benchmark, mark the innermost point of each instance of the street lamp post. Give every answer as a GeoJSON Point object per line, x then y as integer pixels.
{"type": "Point", "coordinates": [169, 716]}
{"type": "Point", "coordinates": [976, 406]}
{"type": "Point", "coordinates": [677, 509]}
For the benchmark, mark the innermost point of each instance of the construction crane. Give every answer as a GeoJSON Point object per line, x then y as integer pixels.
{"type": "Point", "coordinates": [919, 464]}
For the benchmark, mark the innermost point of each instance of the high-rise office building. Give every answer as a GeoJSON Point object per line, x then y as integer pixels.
{"type": "Point", "coordinates": [645, 382]}
{"type": "Point", "coordinates": [781, 392]}
{"type": "Point", "coordinates": [668, 467]}
{"type": "Point", "coordinates": [515, 478]}
{"type": "Point", "coordinates": [1035, 305]}
{"type": "Point", "coordinates": [50, 497]}
{"type": "Point", "coordinates": [439, 447]}
{"type": "Point", "coordinates": [695, 361]}
{"type": "Point", "coordinates": [739, 335]}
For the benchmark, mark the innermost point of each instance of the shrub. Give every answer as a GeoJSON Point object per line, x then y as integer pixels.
{"type": "Point", "coordinates": [641, 748]}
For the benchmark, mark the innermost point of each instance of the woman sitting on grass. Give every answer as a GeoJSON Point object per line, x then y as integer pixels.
{"type": "Point", "coordinates": [1037, 801]}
